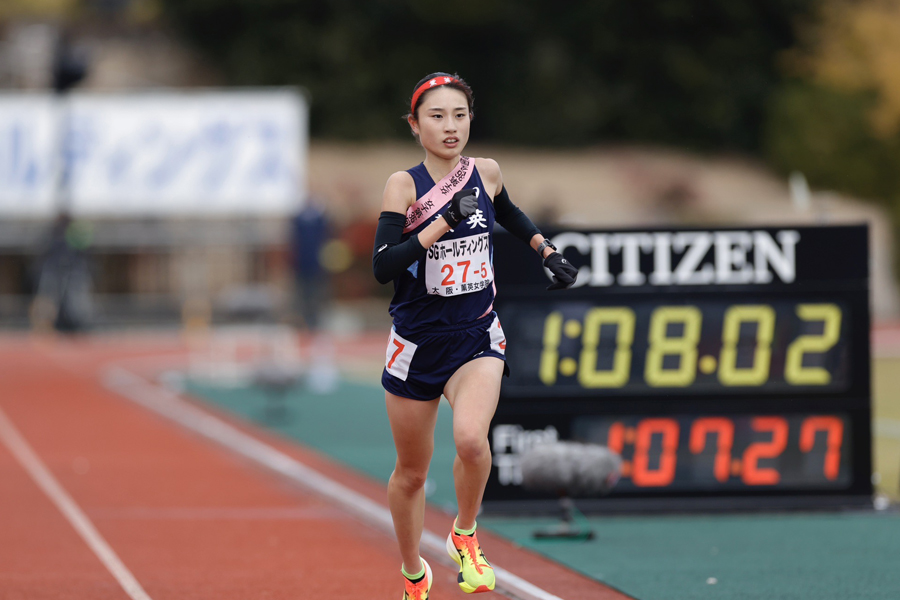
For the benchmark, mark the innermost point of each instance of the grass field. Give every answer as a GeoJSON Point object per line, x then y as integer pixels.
{"type": "Point", "coordinates": [886, 425]}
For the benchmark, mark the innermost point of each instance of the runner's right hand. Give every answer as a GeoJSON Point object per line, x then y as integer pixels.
{"type": "Point", "coordinates": [463, 204]}
{"type": "Point", "coordinates": [564, 274]}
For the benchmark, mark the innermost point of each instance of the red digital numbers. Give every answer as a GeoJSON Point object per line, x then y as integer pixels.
{"type": "Point", "coordinates": [642, 474]}
{"type": "Point", "coordinates": [724, 431]}
{"type": "Point", "coordinates": [749, 457]}
{"type": "Point", "coordinates": [615, 441]}
{"type": "Point", "coordinates": [834, 436]}
{"type": "Point", "coordinates": [752, 473]}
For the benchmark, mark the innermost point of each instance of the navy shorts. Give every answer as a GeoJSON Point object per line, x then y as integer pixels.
{"type": "Point", "coordinates": [420, 367]}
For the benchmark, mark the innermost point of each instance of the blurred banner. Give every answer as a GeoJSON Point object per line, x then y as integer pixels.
{"type": "Point", "coordinates": [28, 138]}
{"type": "Point", "coordinates": [207, 153]}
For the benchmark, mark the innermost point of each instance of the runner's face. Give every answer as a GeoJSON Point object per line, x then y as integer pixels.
{"type": "Point", "coordinates": [443, 123]}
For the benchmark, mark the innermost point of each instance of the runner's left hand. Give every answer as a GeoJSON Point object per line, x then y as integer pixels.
{"type": "Point", "coordinates": [564, 274]}
{"type": "Point", "coordinates": [463, 204]}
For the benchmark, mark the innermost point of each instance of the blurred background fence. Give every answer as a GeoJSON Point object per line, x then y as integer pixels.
{"type": "Point", "coordinates": [168, 147]}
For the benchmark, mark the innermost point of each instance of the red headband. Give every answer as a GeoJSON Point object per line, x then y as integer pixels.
{"type": "Point", "coordinates": [431, 83]}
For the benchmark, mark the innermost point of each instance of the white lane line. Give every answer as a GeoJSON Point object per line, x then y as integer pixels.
{"type": "Point", "coordinates": [48, 484]}
{"type": "Point", "coordinates": [172, 406]}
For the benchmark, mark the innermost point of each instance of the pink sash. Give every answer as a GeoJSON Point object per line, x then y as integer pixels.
{"type": "Point", "coordinates": [438, 196]}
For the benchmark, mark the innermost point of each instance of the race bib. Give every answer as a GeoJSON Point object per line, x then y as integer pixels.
{"type": "Point", "coordinates": [498, 338]}
{"type": "Point", "coordinates": [400, 352]}
{"type": "Point", "coordinates": [459, 266]}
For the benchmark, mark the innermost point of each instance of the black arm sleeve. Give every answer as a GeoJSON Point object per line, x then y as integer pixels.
{"type": "Point", "coordinates": [391, 257]}
{"type": "Point", "coordinates": [513, 219]}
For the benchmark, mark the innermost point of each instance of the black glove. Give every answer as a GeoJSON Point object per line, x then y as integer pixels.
{"type": "Point", "coordinates": [463, 204]}
{"type": "Point", "coordinates": [564, 273]}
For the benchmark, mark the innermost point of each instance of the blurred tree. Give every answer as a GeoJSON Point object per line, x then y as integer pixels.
{"type": "Point", "coordinates": [825, 134]}
{"type": "Point", "coordinates": [839, 121]}
{"type": "Point", "coordinates": [36, 8]}
{"type": "Point", "coordinates": [672, 71]}
{"type": "Point", "coordinates": [856, 47]}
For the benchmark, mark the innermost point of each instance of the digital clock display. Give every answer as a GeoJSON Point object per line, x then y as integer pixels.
{"type": "Point", "coordinates": [724, 452]}
{"type": "Point", "coordinates": [697, 347]}
{"type": "Point", "coordinates": [718, 363]}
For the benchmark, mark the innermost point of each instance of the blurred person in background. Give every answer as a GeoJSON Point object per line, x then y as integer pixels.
{"type": "Point", "coordinates": [63, 289]}
{"type": "Point", "coordinates": [311, 234]}
{"type": "Point", "coordinates": [434, 241]}
{"type": "Point", "coordinates": [310, 231]}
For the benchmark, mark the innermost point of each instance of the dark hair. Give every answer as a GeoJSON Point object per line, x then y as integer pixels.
{"type": "Point", "coordinates": [458, 84]}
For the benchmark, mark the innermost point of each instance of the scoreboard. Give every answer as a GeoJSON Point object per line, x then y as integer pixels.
{"type": "Point", "coordinates": [728, 367]}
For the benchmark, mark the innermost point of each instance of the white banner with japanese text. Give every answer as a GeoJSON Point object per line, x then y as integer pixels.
{"type": "Point", "coordinates": [166, 153]}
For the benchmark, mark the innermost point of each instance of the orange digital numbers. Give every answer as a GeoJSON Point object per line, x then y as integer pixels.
{"type": "Point", "coordinates": [642, 474]}
{"type": "Point", "coordinates": [745, 450]}
{"type": "Point", "coordinates": [752, 473]}
{"type": "Point", "coordinates": [615, 441]}
{"type": "Point", "coordinates": [724, 431]}
{"type": "Point", "coordinates": [834, 439]}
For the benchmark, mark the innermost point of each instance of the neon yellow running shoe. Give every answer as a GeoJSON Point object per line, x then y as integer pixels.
{"type": "Point", "coordinates": [475, 573]}
{"type": "Point", "coordinates": [418, 590]}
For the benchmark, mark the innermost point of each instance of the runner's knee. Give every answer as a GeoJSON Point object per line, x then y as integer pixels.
{"type": "Point", "coordinates": [409, 480]}
{"type": "Point", "coordinates": [471, 446]}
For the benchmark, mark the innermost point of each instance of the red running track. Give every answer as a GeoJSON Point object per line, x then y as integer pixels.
{"type": "Point", "coordinates": [187, 518]}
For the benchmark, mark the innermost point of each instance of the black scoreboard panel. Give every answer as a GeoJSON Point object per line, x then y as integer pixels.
{"type": "Point", "coordinates": [726, 364]}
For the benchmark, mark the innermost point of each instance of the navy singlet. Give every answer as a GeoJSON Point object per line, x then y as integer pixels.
{"type": "Point", "coordinates": [454, 282]}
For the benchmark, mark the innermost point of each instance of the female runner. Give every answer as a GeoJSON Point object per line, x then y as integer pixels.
{"type": "Point", "coordinates": [434, 241]}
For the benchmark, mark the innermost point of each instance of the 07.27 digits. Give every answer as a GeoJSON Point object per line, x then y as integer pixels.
{"type": "Point", "coordinates": [713, 345]}
{"type": "Point", "coordinates": [778, 450]}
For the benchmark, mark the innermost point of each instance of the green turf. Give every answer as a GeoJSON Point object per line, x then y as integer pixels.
{"type": "Point", "coordinates": [772, 557]}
